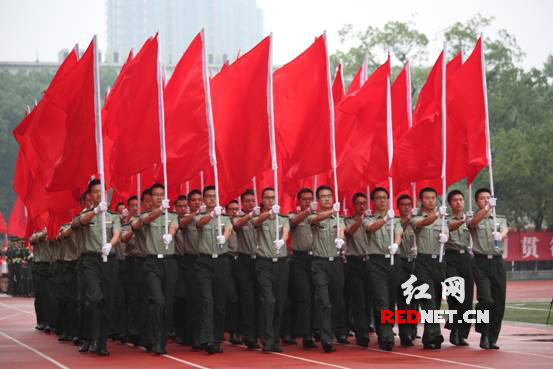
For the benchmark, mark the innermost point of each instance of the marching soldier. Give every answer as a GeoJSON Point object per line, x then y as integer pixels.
{"type": "Point", "coordinates": [232, 319]}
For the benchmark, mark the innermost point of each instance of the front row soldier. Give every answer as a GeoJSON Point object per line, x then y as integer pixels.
{"type": "Point", "coordinates": [487, 267]}
{"type": "Point", "coordinates": [428, 268]}
{"type": "Point", "coordinates": [383, 275]}
{"type": "Point", "coordinates": [160, 267]}
{"type": "Point", "coordinates": [271, 269]}
{"type": "Point", "coordinates": [327, 270]}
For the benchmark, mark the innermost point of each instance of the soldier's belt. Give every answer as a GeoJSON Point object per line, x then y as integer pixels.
{"type": "Point", "coordinates": [484, 256]}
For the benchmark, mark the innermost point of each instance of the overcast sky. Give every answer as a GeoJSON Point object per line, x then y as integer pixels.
{"type": "Point", "coordinates": [43, 27]}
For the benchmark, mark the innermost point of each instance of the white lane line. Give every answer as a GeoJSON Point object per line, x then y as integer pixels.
{"type": "Point", "coordinates": [173, 358]}
{"type": "Point", "coordinates": [16, 308]}
{"type": "Point", "coordinates": [53, 361]}
{"type": "Point", "coordinates": [9, 316]}
{"type": "Point", "coordinates": [525, 308]}
{"type": "Point", "coordinates": [528, 353]}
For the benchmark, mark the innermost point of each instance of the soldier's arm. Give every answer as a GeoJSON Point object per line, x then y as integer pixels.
{"type": "Point", "coordinates": [426, 221]}
{"type": "Point", "coordinates": [300, 217]}
{"type": "Point", "coordinates": [478, 217]}
{"type": "Point", "coordinates": [126, 235]}
{"type": "Point", "coordinates": [186, 220]}
{"type": "Point", "coordinates": [261, 218]}
{"type": "Point", "coordinates": [323, 215]}
{"type": "Point", "coordinates": [353, 227]}
{"type": "Point", "coordinates": [285, 234]}
{"type": "Point", "coordinates": [453, 226]}
{"type": "Point", "coordinates": [227, 231]}
{"type": "Point", "coordinates": [242, 221]}
{"type": "Point", "coordinates": [376, 225]}
{"type": "Point", "coordinates": [203, 221]}
{"type": "Point", "coordinates": [153, 215]}
{"type": "Point", "coordinates": [85, 218]}
{"type": "Point", "coordinates": [116, 237]}
{"type": "Point", "coordinates": [173, 228]}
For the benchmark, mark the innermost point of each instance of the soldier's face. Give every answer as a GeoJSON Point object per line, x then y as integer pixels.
{"type": "Point", "coordinates": [325, 199]}
{"type": "Point", "coordinates": [120, 209]}
{"type": "Point", "coordinates": [248, 203]}
{"type": "Point", "coordinates": [232, 209]}
{"type": "Point", "coordinates": [380, 200]}
{"type": "Point", "coordinates": [404, 207]}
{"type": "Point", "coordinates": [429, 200]}
{"type": "Point", "coordinates": [209, 199]}
{"type": "Point", "coordinates": [147, 203]}
{"type": "Point", "coordinates": [96, 194]}
{"type": "Point", "coordinates": [268, 199]}
{"type": "Point", "coordinates": [360, 205]}
{"type": "Point", "coordinates": [180, 207]}
{"type": "Point", "coordinates": [194, 202]}
{"type": "Point", "coordinates": [457, 203]}
{"type": "Point", "coordinates": [133, 207]}
{"type": "Point", "coordinates": [483, 200]}
{"type": "Point", "coordinates": [157, 196]}
{"type": "Point", "coordinates": [305, 200]}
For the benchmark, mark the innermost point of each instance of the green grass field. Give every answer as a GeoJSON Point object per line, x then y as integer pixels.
{"type": "Point", "coordinates": [530, 312]}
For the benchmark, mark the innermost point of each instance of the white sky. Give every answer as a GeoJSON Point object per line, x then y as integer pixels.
{"type": "Point", "coordinates": [43, 27]}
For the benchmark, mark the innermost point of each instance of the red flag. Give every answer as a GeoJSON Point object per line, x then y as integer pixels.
{"type": "Point", "coordinates": [302, 113]}
{"type": "Point", "coordinates": [17, 225]}
{"type": "Point", "coordinates": [241, 120]}
{"type": "Point", "coordinates": [338, 86]}
{"type": "Point", "coordinates": [3, 227]}
{"type": "Point", "coordinates": [466, 108]}
{"type": "Point", "coordinates": [185, 116]}
{"type": "Point", "coordinates": [401, 103]}
{"type": "Point", "coordinates": [357, 80]}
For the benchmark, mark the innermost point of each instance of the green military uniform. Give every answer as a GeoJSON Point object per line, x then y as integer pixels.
{"type": "Point", "coordinates": [125, 283]}
{"type": "Point", "coordinates": [429, 270]}
{"type": "Point", "coordinates": [212, 269]}
{"type": "Point", "coordinates": [40, 279]}
{"type": "Point", "coordinates": [382, 275]}
{"type": "Point", "coordinates": [301, 286]}
{"type": "Point", "coordinates": [489, 275]}
{"type": "Point", "coordinates": [83, 324]}
{"type": "Point", "coordinates": [328, 278]}
{"type": "Point", "coordinates": [232, 317]}
{"type": "Point", "coordinates": [50, 258]}
{"type": "Point", "coordinates": [67, 309]}
{"type": "Point", "coordinates": [138, 314]}
{"type": "Point", "coordinates": [357, 279]}
{"type": "Point", "coordinates": [271, 271]}
{"type": "Point", "coordinates": [160, 274]}
{"type": "Point", "coordinates": [458, 262]}
{"type": "Point", "coordinates": [99, 277]}
{"type": "Point", "coordinates": [407, 331]}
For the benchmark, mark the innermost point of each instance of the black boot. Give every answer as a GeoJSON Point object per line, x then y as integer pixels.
{"type": "Point", "coordinates": [454, 337]}
{"type": "Point", "coordinates": [309, 343]}
{"type": "Point", "coordinates": [362, 341]}
{"type": "Point", "coordinates": [84, 347]}
{"type": "Point", "coordinates": [93, 346]}
{"type": "Point", "coordinates": [328, 347]}
{"type": "Point", "coordinates": [484, 342]}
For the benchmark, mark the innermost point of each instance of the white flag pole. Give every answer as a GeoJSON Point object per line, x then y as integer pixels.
{"type": "Point", "coordinates": [138, 193]}
{"type": "Point", "coordinates": [161, 109]}
{"type": "Point", "coordinates": [211, 129]}
{"type": "Point", "coordinates": [254, 184]}
{"type": "Point", "coordinates": [99, 140]}
{"type": "Point", "coordinates": [390, 139]}
{"type": "Point", "coordinates": [410, 125]}
{"type": "Point", "coordinates": [332, 133]}
{"type": "Point", "coordinates": [444, 142]}
{"type": "Point", "coordinates": [187, 197]}
{"type": "Point", "coordinates": [272, 133]}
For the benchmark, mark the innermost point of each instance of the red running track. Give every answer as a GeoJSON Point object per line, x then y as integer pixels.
{"type": "Point", "coordinates": [522, 346]}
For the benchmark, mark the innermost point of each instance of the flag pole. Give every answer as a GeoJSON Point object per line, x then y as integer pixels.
{"type": "Point", "coordinates": [272, 133]}
{"type": "Point", "coordinates": [410, 125]}
{"type": "Point", "coordinates": [254, 184]}
{"type": "Point", "coordinates": [99, 141]}
{"type": "Point", "coordinates": [161, 110]}
{"type": "Point", "coordinates": [390, 139]}
{"type": "Point", "coordinates": [138, 194]}
{"type": "Point", "coordinates": [211, 129]}
{"type": "Point", "coordinates": [369, 199]}
{"type": "Point", "coordinates": [332, 134]}
{"type": "Point", "coordinates": [444, 143]}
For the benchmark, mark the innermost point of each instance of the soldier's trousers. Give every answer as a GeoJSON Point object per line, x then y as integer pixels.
{"type": "Point", "coordinates": [491, 284]}
{"type": "Point", "coordinates": [160, 276]}
{"type": "Point", "coordinates": [272, 287]}
{"type": "Point", "coordinates": [191, 314]}
{"type": "Point", "coordinates": [429, 270]}
{"type": "Point", "coordinates": [100, 281]}
{"type": "Point", "coordinates": [40, 280]}
{"type": "Point", "coordinates": [213, 275]}
{"type": "Point", "coordinates": [383, 279]}
{"type": "Point", "coordinates": [67, 307]}
{"type": "Point", "coordinates": [328, 283]}
{"type": "Point", "coordinates": [136, 299]}
{"type": "Point", "coordinates": [246, 281]}
{"type": "Point", "coordinates": [407, 331]}
{"type": "Point", "coordinates": [120, 322]}
{"type": "Point", "coordinates": [301, 294]}
{"type": "Point", "coordinates": [52, 294]}
{"type": "Point", "coordinates": [358, 292]}
{"type": "Point", "coordinates": [459, 265]}
{"type": "Point", "coordinates": [83, 323]}
{"type": "Point", "coordinates": [232, 316]}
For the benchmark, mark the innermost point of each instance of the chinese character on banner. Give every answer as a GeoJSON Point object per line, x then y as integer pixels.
{"type": "Point", "coordinates": [454, 286]}
{"type": "Point", "coordinates": [530, 247]}
{"type": "Point", "coordinates": [419, 292]}
{"type": "Point", "coordinates": [551, 244]}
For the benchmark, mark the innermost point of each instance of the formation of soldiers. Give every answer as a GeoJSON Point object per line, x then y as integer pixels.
{"type": "Point", "coordinates": [19, 269]}
{"type": "Point", "coordinates": [212, 271]}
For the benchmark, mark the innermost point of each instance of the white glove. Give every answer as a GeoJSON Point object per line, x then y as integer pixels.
{"type": "Point", "coordinates": [442, 211]}
{"type": "Point", "coordinates": [390, 215]}
{"type": "Point", "coordinates": [393, 248]}
{"type": "Point", "coordinates": [221, 240]}
{"type": "Point", "coordinates": [414, 211]}
{"type": "Point", "coordinates": [164, 204]}
{"type": "Point", "coordinates": [368, 213]}
{"type": "Point", "coordinates": [443, 238]}
{"type": "Point", "coordinates": [414, 251]}
{"type": "Point", "coordinates": [202, 208]}
{"type": "Point", "coordinates": [106, 249]}
{"type": "Point", "coordinates": [339, 243]}
{"type": "Point", "coordinates": [256, 210]}
{"type": "Point", "coordinates": [336, 208]}
{"type": "Point", "coordinates": [167, 238]}
{"type": "Point", "coordinates": [279, 244]}
{"type": "Point", "coordinates": [101, 208]}
{"type": "Point", "coordinates": [275, 210]}
{"type": "Point", "coordinates": [470, 214]}
{"type": "Point", "coordinates": [313, 206]}
{"type": "Point", "coordinates": [125, 213]}
{"type": "Point", "coordinates": [496, 236]}
{"type": "Point", "coordinates": [217, 211]}
{"type": "Point", "coordinates": [492, 202]}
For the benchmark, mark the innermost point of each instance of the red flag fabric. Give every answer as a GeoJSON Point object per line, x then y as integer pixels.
{"type": "Point", "coordinates": [466, 108]}
{"type": "Point", "coordinates": [356, 82]}
{"type": "Point", "coordinates": [302, 113]}
{"type": "Point", "coordinates": [338, 86]}
{"type": "Point", "coordinates": [17, 225]}
{"type": "Point", "coordinates": [241, 120]}
{"type": "Point", "coordinates": [3, 226]}
{"type": "Point", "coordinates": [186, 124]}
{"type": "Point", "coordinates": [400, 103]}
{"type": "Point", "coordinates": [136, 144]}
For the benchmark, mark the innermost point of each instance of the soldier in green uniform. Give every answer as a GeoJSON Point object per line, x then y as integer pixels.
{"type": "Point", "coordinates": [301, 286]}
{"type": "Point", "coordinates": [428, 268]}
{"type": "Point", "coordinates": [232, 318]}
{"type": "Point", "coordinates": [99, 267]}
{"type": "Point", "coordinates": [357, 278]}
{"type": "Point", "coordinates": [407, 253]}
{"type": "Point", "coordinates": [326, 268]}
{"type": "Point", "coordinates": [245, 268]}
{"type": "Point", "coordinates": [39, 277]}
{"type": "Point", "coordinates": [160, 267]}
{"type": "Point", "coordinates": [382, 274]}
{"type": "Point", "coordinates": [487, 266]}
{"type": "Point", "coordinates": [458, 262]}
{"type": "Point", "coordinates": [271, 269]}
{"type": "Point", "coordinates": [212, 269]}
{"type": "Point", "coordinates": [180, 291]}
